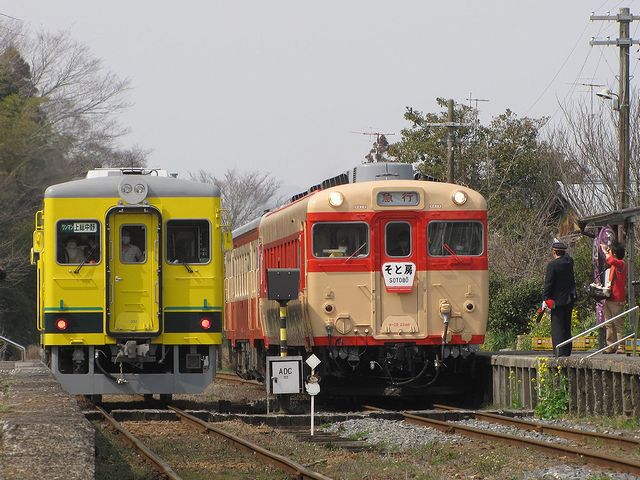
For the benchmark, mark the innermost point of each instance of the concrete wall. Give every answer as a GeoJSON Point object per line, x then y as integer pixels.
{"type": "Point", "coordinates": [602, 385]}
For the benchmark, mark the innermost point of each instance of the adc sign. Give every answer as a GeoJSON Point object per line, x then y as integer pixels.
{"type": "Point", "coordinates": [284, 375]}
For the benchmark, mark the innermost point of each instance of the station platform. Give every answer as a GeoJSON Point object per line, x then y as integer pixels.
{"type": "Point", "coordinates": [604, 385]}
{"type": "Point", "coordinates": [43, 433]}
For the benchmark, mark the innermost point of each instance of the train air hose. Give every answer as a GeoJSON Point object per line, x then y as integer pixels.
{"type": "Point", "coordinates": [103, 371]}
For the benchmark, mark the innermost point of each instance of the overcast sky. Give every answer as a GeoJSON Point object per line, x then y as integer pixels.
{"type": "Point", "coordinates": [279, 86]}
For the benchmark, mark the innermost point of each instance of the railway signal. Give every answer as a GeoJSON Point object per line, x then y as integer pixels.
{"type": "Point", "coordinates": [313, 384]}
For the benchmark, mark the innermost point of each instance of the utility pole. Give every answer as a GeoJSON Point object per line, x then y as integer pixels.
{"type": "Point", "coordinates": [624, 18]}
{"type": "Point", "coordinates": [625, 231]}
{"type": "Point", "coordinates": [451, 128]}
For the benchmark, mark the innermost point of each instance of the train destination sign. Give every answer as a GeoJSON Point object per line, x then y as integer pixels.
{"type": "Point", "coordinates": [399, 276]}
{"type": "Point", "coordinates": [398, 199]}
{"type": "Point", "coordinates": [79, 227]}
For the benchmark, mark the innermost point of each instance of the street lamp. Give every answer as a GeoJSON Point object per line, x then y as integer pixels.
{"type": "Point", "coordinates": [608, 94]}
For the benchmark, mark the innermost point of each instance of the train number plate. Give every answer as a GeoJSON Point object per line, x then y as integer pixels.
{"type": "Point", "coordinates": [399, 276]}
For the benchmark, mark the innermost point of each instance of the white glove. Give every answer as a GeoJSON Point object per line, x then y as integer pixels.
{"type": "Point", "coordinates": [545, 306]}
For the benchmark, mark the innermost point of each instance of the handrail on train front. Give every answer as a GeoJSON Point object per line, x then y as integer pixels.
{"type": "Point", "coordinates": [17, 345]}
{"type": "Point", "coordinates": [601, 325]}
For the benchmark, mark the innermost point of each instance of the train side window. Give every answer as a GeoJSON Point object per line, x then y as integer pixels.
{"type": "Point", "coordinates": [398, 239]}
{"type": "Point", "coordinates": [133, 244]}
{"type": "Point", "coordinates": [344, 239]}
{"type": "Point", "coordinates": [455, 238]}
{"type": "Point", "coordinates": [188, 241]}
{"type": "Point", "coordinates": [78, 241]}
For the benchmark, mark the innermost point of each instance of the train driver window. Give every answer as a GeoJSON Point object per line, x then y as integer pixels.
{"type": "Point", "coordinates": [343, 239]}
{"type": "Point", "coordinates": [188, 241]}
{"type": "Point", "coordinates": [398, 239]}
{"type": "Point", "coordinates": [78, 241]}
{"type": "Point", "coordinates": [133, 244]}
{"type": "Point", "coordinates": [455, 238]}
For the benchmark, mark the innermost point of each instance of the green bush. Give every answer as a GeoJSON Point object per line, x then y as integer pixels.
{"type": "Point", "coordinates": [512, 304]}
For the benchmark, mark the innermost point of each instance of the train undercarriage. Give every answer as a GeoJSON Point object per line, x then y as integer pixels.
{"type": "Point", "coordinates": [395, 369]}
{"type": "Point", "coordinates": [132, 367]}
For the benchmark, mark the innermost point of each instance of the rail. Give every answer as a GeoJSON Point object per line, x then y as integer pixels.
{"type": "Point", "coordinates": [292, 468]}
{"type": "Point", "coordinates": [17, 345]}
{"type": "Point", "coordinates": [158, 462]}
{"type": "Point", "coordinates": [548, 429]}
{"type": "Point", "coordinates": [602, 459]}
{"type": "Point", "coordinates": [601, 325]}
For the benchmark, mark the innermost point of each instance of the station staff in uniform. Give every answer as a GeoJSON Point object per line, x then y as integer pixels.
{"type": "Point", "coordinates": [559, 296]}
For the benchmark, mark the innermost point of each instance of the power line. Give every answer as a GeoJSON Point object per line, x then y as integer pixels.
{"type": "Point", "coordinates": [9, 16]}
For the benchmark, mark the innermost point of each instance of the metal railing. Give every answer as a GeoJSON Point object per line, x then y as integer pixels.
{"type": "Point", "coordinates": [23, 350]}
{"type": "Point", "coordinates": [601, 325]}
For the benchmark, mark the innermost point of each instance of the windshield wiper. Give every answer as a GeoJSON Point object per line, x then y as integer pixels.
{"type": "Point", "coordinates": [77, 270]}
{"type": "Point", "coordinates": [354, 253]}
{"type": "Point", "coordinates": [451, 252]}
{"type": "Point", "coordinates": [186, 265]}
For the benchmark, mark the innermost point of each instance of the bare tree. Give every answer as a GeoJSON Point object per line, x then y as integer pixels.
{"type": "Point", "coordinates": [245, 195]}
{"type": "Point", "coordinates": [82, 96]}
{"type": "Point", "coordinates": [588, 144]}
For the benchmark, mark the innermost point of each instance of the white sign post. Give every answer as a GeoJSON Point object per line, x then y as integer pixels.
{"type": "Point", "coordinates": [313, 385]}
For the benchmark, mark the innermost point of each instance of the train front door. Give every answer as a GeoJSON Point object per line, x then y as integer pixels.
{"type": "Point", "coordinates": [134, 277]}
{"type": "Point", "coordinates": [397, 280]}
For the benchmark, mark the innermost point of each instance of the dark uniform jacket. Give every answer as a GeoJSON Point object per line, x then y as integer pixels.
{"type": "Point", "coordinates": [559, 282]}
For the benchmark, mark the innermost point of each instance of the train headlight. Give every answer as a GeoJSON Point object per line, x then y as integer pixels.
{"type": "Point", "coordinates": [61, 324]}
{"type": "Point", "coordinates": [205, 323]}
{"type": "Point", "coordinates": [134, 192]}
{"type": "Point", "coordinates": [459, 197]}
{"type": "Point", "coordinates": [336, 199]}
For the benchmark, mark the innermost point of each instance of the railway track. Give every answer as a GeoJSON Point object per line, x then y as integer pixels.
{"type": "Point", "coordinates": [158, 463]}
{"type": "Point", "coordinates": [232, 377]}
{"type": "Point", "coordinates": [291, 467]}
{"type": "Point", "coordinates": [287, 465]}
{"type": "Point", "coordinates": [563, 432]}
{"type": "Point", "coordinates": [607, 460]}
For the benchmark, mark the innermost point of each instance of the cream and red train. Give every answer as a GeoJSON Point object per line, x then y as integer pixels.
{"type": "Point", "coordinates": [393, 280]}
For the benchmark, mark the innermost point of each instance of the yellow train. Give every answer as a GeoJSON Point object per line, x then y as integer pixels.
{"type": "Point", "coordinates": [130, 282]}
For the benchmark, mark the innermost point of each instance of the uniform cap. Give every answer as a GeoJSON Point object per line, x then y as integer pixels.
{"type": "Point", "coordinates": [559, 245]}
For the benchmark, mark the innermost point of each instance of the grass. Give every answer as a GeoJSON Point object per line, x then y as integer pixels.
{"type": "Point", "coordinates": [489, 464]}
{"type": "Point", "coordinates": [4, 387]}
{"type": "Point", "coordinates": [616, 423]}
{"type": "Point", "coordinates": [436, 454]}
{"type": "Point", "coordinates": [361, 435]}
{"type": "Point", "coordinates": [114, 459]}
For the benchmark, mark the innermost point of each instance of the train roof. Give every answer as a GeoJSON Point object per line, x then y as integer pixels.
{"type": "Point", "coordinates": [247, 227]}
{"type": "Point", "coordinates": [106, 186]}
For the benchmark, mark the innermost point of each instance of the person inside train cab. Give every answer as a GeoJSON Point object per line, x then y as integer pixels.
{"type": "Point", "coordinates": [130, 253]}
{"type": "Point", "coordinates": [74, 253]}
{"type": "Point", "coordinates": [343, 245]}
{"type": "Point", "coordinates": [402, 246]}
{"type": "Point", "coordinates": [90, 246]}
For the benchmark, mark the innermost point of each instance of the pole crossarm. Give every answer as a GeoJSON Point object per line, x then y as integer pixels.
{"type": "Point", "coordinates": [621, 17]}
{"type": "Point", "coordinates": [617, 42]}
